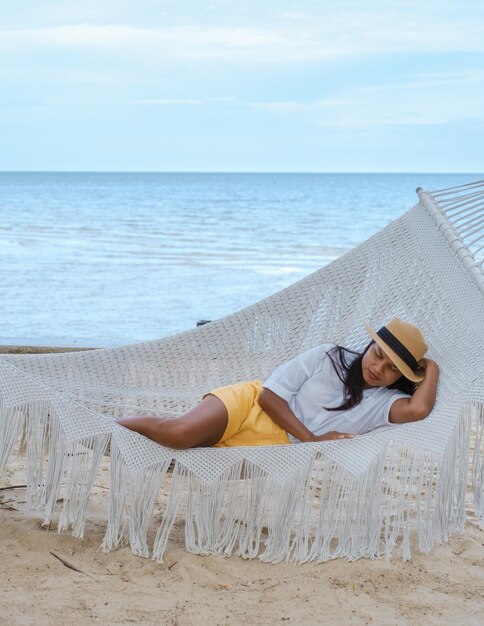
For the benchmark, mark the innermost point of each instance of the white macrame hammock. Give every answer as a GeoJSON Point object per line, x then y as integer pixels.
{"type": "Point", "coordinates": [318, 501]}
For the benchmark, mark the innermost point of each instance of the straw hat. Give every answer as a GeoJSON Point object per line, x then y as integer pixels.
{"type": "Point", "coordinates": [404, 345]}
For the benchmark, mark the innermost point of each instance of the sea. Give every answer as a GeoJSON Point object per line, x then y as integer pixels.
{"type": "Point", "coordinates": [105, 259]}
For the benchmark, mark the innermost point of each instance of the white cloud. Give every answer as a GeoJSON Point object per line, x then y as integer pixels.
{"type": "Point", "coordinates": [279, 106]}
{"type": "Point", "coordinates": [430, 99]}
{"type": "Point", "coordinates": [291, 106]}
{"type": "Point", "coordinates": [182, 101]}
{"type": "Point", "coordinates": [348, 33]}
{"type": "Point", "coordinates": [431, 79]}
{"type": "Point", "coordinates": [177, 42]}
{"type": "Point", "coordinates": [167, 101]}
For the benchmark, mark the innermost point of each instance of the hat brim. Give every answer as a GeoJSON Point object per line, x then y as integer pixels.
{"type": "Point", "coordinates": [414, 376]}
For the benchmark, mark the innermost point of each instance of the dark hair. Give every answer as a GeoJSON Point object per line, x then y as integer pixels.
{"type": "Point", "coordinates": [351, 375]}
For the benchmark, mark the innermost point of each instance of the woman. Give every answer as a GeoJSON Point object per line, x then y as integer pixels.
{"type": "Point", "coordinates": [328, 392]}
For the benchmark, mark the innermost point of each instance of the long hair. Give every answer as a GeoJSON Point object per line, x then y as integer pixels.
{"type": "Point", "coordinates": [351, 375]}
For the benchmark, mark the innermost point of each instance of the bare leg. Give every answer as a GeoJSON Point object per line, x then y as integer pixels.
{"type": "Point", "coordinates": [204, 425]}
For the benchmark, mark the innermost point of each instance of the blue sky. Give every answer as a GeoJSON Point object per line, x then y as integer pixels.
{"type": "Point", "coordinates": [157, 85]}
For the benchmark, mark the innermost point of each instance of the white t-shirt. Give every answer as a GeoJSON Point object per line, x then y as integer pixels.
{"type": "Point", "coordinates": [309, 383]}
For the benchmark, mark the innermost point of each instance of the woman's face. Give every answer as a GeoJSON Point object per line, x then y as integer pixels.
{"type": "Point", "coordinates": [377, 369]}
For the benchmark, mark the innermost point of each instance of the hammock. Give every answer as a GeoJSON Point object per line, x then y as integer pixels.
{"type": "Point", "coordinates": [316, 501]}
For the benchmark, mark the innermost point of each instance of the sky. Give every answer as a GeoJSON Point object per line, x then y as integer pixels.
{"type": "Point", "coordinates": [302, 86]}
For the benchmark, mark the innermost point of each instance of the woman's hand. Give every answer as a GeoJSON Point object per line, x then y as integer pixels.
{"type": "Point", "coordinates": [333, 434]}
{"type": "Point", "coordinates": [428, 364]}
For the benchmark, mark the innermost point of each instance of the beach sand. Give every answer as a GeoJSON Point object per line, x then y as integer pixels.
{"type": "Point", "coordinates": [40, 587]}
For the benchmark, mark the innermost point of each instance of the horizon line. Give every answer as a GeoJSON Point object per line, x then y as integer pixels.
{"type": "Point", "coordinates": [426, 173]}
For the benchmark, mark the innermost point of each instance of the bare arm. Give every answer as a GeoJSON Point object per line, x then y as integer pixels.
{"type": "Point", "coordinates": [422, 402]}
{"type": "Point", "coordinates": [279, 411]}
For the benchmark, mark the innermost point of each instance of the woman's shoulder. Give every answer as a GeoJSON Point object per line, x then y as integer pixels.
{"type": "Point", "coordinates": [319, 349]}
{"type": "Point", "coordinates": [342, 353]}
{"type": "Point", "coordinates": [315, 358]}
{"type": "Point", "coordinates": [329, 351]}
{"type": "Point", "coordinates": [387, 393]}
{"type": "Point", "coordinates": [328, 346]}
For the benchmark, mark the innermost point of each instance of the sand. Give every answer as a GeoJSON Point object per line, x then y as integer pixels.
{"type": "Point", "coordinates": [40, 583]}
{"type": "Point", "coordinates": [38, 587]}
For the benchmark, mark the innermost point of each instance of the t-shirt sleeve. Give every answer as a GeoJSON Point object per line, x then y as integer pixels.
{"type": "Point", "coordinates": [395, 394]}
{"type": "Point", "coordinates": [286, 380]}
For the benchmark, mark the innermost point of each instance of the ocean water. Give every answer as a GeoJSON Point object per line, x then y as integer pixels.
{"type": "Point", "coordinates": [94, 259]}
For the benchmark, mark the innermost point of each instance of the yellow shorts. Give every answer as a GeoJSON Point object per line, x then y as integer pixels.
{"type": "Point", "coordinates": [248, 424]}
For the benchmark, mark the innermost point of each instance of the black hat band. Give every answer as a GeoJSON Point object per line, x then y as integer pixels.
{"type": "Point", "coordinates": [397, 347]}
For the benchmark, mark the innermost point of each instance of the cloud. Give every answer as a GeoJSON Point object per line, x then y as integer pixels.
{"type": "Point", "coordinates": [280, 106]}
{"type": "Point", "coordinates": [289, 107]}
{"type": "Point", "coordinates": [431, 99]}
{"type": "Point", "coordinates": [167, 101]}
{"type": "Point", "coordinates": [347, 33]}
{"type": "Point", "coordinates": [182, 101]}
{"type": "Point", "coordinates": [184, 43]}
